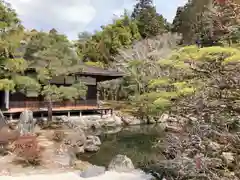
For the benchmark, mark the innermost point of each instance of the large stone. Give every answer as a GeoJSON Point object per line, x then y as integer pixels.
{"type": "Point", "coordinates": [135, 121]}
{"type": "Point", "coordinates": [108, 122]}
{"type": "Point", "coordinates": [172, 128]}
{"type": "Point", "coordinates": [121, 163]}
{"type": "Point", "coordinates": [95, 140]}
{"type": "Point", "coordinates": [228, 157]}
{"type": "Point", "coordinates": [214, 146]}
{"type": "Point", "coordinates": [93, 171]}
{"type": "Point", "coordinates": [213, 162]}
{"type": "Point", "coordinates": [63, 159]}
{"type": "Point", "coordinates": [91, 148]}
{"type": "Point", "coordinates": [72, 153]}
{"type": "Point", "coordinates": [7, 135]}
{"type": "Point", "coordinates": [62, 118]}
{"type": "Point", "coordinates": [92, 124]}
{"type": "Point", "coordinates": [81, 165]}
{"type": "Point", "coordinates": [83, 123]}
{"type": "Point", "coordinates": [163, 118]}
{"type": "Point", "coordinates": [149, 120]}
{"type": "Point", "coordinates": [118, 120]}
{"type": "Point", "coordinates": [92, 144]}
{"type": "Point", "coordinates": [78, 149]}
{"type": "Point", "coordinates": [131, 120]}
{"type": "Point", "coordinates": [3, 149]}
{"type": "Point", "coordinates": [76, 139]}
{"type": "Point", "coordinates": [26, 123]}
{"type": "Point", "coordinates": [114, 130]}
{"type": "Point", "coordinates": [2, 120]}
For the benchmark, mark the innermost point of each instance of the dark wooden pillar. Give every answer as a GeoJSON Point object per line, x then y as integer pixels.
{"type": "Point", "coordinates": [97, 91]}
{"type": "Point", "coordinates": [64, 80]}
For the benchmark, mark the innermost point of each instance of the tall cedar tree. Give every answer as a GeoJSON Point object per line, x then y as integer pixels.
{"type": "Point", "coordinates": [149, 22]}
{"type": "Point", "coordinates": [208, 19]}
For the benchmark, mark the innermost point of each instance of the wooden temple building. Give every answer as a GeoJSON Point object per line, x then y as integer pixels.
{"type": "Point", "coordinates": [15, 103]}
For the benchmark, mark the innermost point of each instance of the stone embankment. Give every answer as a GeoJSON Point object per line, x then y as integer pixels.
{"type": "Point", "coordinates": [119, 120]}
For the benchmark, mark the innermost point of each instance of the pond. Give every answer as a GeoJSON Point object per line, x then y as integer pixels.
{"type": "Point", "coordinates": [136, 142]}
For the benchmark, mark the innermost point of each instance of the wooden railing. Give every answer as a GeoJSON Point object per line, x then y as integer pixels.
{"type": "Point", "coordinates": [44, 104]}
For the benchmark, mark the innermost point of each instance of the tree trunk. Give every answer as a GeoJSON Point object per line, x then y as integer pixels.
{"type": "Point", "coordinates": [210, 7]}
{"type": "Point", "coordinates": [49, 109]}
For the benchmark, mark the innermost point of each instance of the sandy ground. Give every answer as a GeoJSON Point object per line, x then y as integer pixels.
{"type": "Point", "coordinates": [75, 176]}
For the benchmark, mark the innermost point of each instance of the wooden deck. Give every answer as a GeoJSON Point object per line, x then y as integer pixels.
{"type": "Point", "coordinates": [65, 110]}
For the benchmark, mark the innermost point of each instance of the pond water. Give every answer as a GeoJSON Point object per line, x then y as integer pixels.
{"type": "Point", "coordinates": [136, 142]}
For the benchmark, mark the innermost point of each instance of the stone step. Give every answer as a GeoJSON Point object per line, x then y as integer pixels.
{"type": "Point", "coordinates": [43, 141]}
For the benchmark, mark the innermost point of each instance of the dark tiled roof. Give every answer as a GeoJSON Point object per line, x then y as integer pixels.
{"type": "Point", "coordinates": [100, 74]}
{"type": "Point", "coordinates": [97, 71]}
{"type": "Point", "coordinates": [92, 70]}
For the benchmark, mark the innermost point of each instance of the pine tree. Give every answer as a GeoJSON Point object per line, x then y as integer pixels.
{"type": "Point", "coordinates": [52, 56]}
{"type": "Point", "coordinates": [11, 62]}
{"type": "Point", "coordinates": [149, 22]}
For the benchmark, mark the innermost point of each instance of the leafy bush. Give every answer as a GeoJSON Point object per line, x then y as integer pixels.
{"type": "Point", "coordinates": [27, 150]}
{"type": "Point", "coordinates": [58, 136]}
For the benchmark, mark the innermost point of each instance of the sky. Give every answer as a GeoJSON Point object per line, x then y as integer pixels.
{"type": "Point", "coordinates": [73, 16]}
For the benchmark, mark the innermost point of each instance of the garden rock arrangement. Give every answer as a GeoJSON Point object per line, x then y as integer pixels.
{"type": "Point", "coordinates": [93, 121]}
{"type": "Point", "coordinates": [92, 144]}
{"type": "Point", "coordinates": [121, 120]}
{"type": "Point", "coordinates": [24, 143]}
{"type": "Point", "coordinates": [83, 143]}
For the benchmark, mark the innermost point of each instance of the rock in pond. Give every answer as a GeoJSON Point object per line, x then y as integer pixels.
{"type": "Point", "coordinates": [163, 118]}
{"type": "Point", "coordinates": [91, 148]}
{"type": "Point", "coordinates": [121, 163]}
{"type": "Point", "coordinates": [95, 140]}
{"type": "Point", "coordinates": [93, 171]}
{"type": "Point", "coordinates": [172, 128]}
{"type": "Point", "coordinates": [92, 144]}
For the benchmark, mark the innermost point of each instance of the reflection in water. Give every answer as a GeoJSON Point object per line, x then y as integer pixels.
{"type": "Point", "coordinates": [136, 142]}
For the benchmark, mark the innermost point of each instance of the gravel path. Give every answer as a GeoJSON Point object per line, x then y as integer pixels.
{"type": "Point", "coordinates": [75, 176]}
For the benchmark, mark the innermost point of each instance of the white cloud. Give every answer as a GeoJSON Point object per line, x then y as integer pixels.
{"type": "Point", "coordinates": [126, 4]}
{"type": "Point", "coordinates": [25, 1]}
{"type": "Point", "coordinates": [67, 16]}
{"type": "Point", "coordinates": [169, 7]}
{"type": "Point", "coordinates": [83, 14]}
{"type": "Point", "coordinates": [74, 16]}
